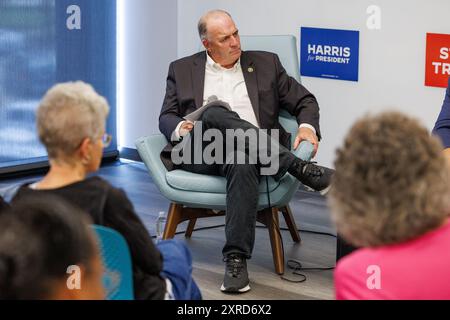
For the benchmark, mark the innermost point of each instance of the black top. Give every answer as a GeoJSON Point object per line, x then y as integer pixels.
{"type": "Point", "coordinates": [110, 207]}
{"type": "Point", "coordinates": [3, 205]}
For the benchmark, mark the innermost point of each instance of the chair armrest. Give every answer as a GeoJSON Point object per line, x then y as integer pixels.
{"type": "Point", "coordinates": [149, 148]}
{"type": "Point", "coordinates": [304, 151]}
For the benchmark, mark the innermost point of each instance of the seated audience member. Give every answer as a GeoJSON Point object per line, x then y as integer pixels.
{"type": "Point", "coordinates": [3, 204]}
{"type": "Point", "coordinates": [40, 240]}
{"type": "Point", "coordinates": [390, 196]}
{"type": "Point", "coordinates": [71, 125]}
{"type": "Point", "coordinates": [442, 126]}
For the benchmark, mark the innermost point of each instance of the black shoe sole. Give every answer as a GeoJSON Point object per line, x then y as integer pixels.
{"type": "Point", "coordinates": [234, 290]}
{"type": "Point", "coordinates": [324, 192]}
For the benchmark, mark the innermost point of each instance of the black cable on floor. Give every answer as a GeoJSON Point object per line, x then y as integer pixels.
{"type": "Point", "coordinates": [297, 266]}
{"type": "Point", "coordinates": [310, 231]}
{"type": "Point", "coordinates": [301, 230]}
{"type": "Point", "coordinates": [197, 229]}
{"type": "Point", "coordinates": [261, 227]}
{"type": "Point", "coordinates": [292, 264]}
{"type": "Point", "coordinates": [203, 228]}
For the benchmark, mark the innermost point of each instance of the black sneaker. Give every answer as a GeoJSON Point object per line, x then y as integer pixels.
{"type": "Point", "coordinates": [311, 175]}
{"type": "Point", "coordinates": [236, 275]}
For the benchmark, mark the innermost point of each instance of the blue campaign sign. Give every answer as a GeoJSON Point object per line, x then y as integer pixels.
{"type": "Point", "coordinates": [329, 53]}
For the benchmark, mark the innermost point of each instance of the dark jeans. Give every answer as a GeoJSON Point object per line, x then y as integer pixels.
{"type": "Point", "coordinates": [242, 180]}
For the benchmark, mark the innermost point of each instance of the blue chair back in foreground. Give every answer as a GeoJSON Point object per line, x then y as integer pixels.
{"type": "Point", "coordinates": [117, 264]}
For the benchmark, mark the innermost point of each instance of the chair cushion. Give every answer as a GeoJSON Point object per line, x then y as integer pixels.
{"type": "Point", "coordinates": [188, 181]}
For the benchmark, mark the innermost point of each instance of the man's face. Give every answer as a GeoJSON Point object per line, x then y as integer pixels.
{"type": "Point", "coordinates": [223, 42]}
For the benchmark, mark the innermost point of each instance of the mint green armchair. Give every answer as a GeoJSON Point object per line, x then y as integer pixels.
{"type": "Point", "coordinates": [195, 196]}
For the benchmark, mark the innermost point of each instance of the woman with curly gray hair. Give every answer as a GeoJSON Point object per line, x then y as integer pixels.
{"type": "Point", "coordinates": [391, 197]}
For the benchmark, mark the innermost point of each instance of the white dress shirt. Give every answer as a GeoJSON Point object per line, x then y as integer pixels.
{"type": "Point", "coordinates": [229, 86]}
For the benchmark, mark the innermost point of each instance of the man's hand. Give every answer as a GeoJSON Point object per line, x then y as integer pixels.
{"type": "Point", "coordinates": [309, 135]}
{"type": "Point", "coordinates": [185, 128]}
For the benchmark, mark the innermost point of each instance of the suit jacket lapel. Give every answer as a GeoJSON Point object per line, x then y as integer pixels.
{"type": "Point", "coordinates": [198, 78]}
{"type": "Point", "coordinates": [249, 71]}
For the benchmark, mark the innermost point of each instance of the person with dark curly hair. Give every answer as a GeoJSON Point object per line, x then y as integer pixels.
{"type": "Point", "coordinates": [390, 196]}
{"type": "Point", "coordinates": [48, 252]}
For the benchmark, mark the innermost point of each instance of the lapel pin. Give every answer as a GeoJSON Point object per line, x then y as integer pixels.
{"type": "Point", "coordinates": [250, 69]}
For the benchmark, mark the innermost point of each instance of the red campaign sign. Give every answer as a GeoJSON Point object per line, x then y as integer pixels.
{"type": "Point", "coordinates": [437, 68]}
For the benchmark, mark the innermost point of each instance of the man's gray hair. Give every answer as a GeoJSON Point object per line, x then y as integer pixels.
{"type": "Point", "coordinates": [69, 113]}
{"type": "Point", "coordinates": [202, 23]}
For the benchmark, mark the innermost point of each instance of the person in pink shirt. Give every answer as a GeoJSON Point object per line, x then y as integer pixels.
{"type": "Point", "coordinates": [391, 197]}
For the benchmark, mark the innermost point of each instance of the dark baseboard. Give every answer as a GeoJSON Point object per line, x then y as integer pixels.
{"type": "Point", "coordinates": [38, 167]}
{"type": "Point", "coordinates": [41, 166]}
{"type": "Point", "coordinates": [130, 154]}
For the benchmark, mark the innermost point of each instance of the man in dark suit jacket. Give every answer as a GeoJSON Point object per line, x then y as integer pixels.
{"type": "Point", "coordinates": [442, 126]}
{"type": "Point", "coordinates": [256, 86]}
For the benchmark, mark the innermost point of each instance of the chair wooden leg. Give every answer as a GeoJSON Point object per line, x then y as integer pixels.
{"type": "Point", "coordinates": [173, 219]}
{"type": "Point", "coordinates": [271, 221]}
{"type": "Point", "coordinates": [190, 228]}
{"type": "Point", "coordinates": [290, 222]}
